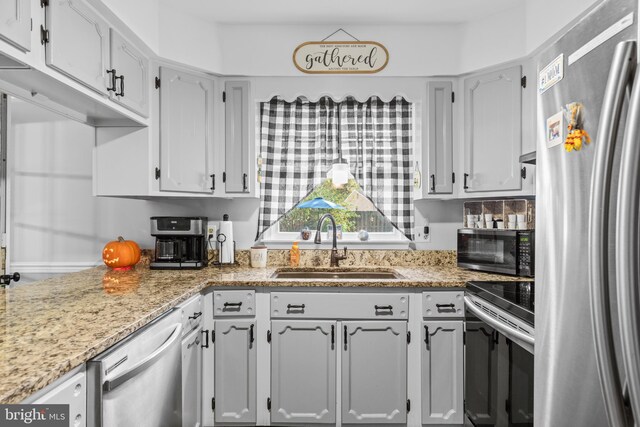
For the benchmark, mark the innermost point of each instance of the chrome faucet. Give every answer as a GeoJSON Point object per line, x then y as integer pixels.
{"type": "Point", "coordinates": [335, 258]}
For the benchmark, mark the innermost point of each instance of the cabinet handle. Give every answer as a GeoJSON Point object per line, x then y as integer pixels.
{"type": "Point", "coordinates": [244, 182]}
{"type": "Point", "coordinates": [345, 337]}
{"type": "Point", "coordinates": [206, 339]}
{"type": "Point", "coordinates": [426, 335]}
{"type": "Point", "coordinates": [439, 306]}
{"type": "Point", "coordinates": [295, 306]}
{"type": "Point", "coordinates": [433, 183]}
{"type": "Point", "coordinates": [251, 335]}
{"type": "Point", "coordinates": [113, 80]}
{"type": "Point", "coordinates": [465, 186]}
{"type": "Point", "coordinates": [213, 182]}
{"type": "Point", "coordinates": [196, 315]}
{"type": "Point", "coordinates": [232, 304]}
{"type": "Point", "coordinates": [333, 335]}
{"type": "Point", "coordinates": [121, 78]}
{"type": "Point", "coordinates": [383, 307]}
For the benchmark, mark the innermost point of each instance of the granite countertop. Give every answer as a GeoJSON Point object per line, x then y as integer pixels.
{"type": "Point", "coordinates": [49, 327]}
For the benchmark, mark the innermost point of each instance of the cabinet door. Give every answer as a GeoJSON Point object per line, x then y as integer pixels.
{"type": "Point", "coordinates": [481, 373]}
{"type": "Point", "coordinates": [235, 371]}
{"type": "Point", "coordinates": [442, 372]}
{"type": "Point", "coordinates": [374, 372]}
{"type": "Point", "coordinates": [303, 372]}
{"type": "Point", "coordinates": [132, 69]}
{"type": "Point", "coordinates": [78, 42]}
{"type": "Point", "coordinates": [237, 137]}
{"type": "Point", "coordinates": [493, 139]}
{"type": "Point", "coordinates": [15, 24]}
{"type": "Point", "coordinates": [191, 379]}
{"type": "Point", "coordinates": [186, 132]}
{"type": "Point", "coordinates": [440, 139]}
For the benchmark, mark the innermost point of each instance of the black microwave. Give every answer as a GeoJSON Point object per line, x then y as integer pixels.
{"type": "Point", "coordinates": [497, 251]}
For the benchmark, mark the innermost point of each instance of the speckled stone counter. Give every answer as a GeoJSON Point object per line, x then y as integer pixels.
{"type": "Point", "coordinates": [49, 327]}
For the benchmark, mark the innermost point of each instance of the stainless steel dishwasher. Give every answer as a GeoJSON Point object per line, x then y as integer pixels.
{"type": "Point", "coordinates": [138, 381]}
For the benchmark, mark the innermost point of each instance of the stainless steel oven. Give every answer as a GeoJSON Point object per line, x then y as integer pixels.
{"type": "Point", "coordinates": [499, 353]}
{"type": "Point", "coordinates": [497, 251]}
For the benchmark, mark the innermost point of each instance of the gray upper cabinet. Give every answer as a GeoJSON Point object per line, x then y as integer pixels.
{"type": "Point", "coordinates": [442, 372]}
{"type": "Point", "coordinates": [129, 78]}
{"type": "Point", "coordinates": [15, 24]}
{"type": "Point", "coordinates": [303, 372]}
{"type": "Point", "coordinates": [493, 140]}
{"type": "Point", "coordinates": [374, 372]}
{"type": "Point", "coordinates": [440, 138]}
{"type": "Point", "coordinates": [237, 137]}
{"type": "Point", "coordinates": [235, 371]}
{"type": "Point", "coordinates": [186, 132]}
{"type": "Point", "coordinates": [78, 43]}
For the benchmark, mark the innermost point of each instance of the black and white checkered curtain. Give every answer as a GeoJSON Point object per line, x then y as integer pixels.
{"type": "Point", "coordinates": [299, 143]}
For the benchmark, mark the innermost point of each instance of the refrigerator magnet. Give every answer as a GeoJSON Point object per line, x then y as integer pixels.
{"type": "Point", "coordinates": [555, 130]}
{"type": "Point", "coordinates": [576, 135]}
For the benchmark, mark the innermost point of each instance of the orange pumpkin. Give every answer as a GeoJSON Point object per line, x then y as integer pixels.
{"type": "Point", "coordinates": [120, 282]}
{"type": "Point", "coordinates": [121, 254]}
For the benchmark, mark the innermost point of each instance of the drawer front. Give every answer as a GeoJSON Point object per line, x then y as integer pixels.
{"type": "Point", "coordinates": [234, 303]}
{"type": "Point", "coordinates": [443, 304]}
{"type": "Point", "coordinates": [306, 305]}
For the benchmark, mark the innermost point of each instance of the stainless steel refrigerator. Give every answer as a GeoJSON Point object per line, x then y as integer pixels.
{"type": "Point", "coordinates": [587, 227]}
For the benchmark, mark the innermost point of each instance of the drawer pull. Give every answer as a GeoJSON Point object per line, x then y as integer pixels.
{"type": "Point", "coordinates": [295, 306]}
{"type": "Point", "coordinates": [384, 307]}
{"type": "Point", "coordinates": [426, 335]}
{"type": "Point", "coordinates": [233, 304]}
{"type": "Point", "coordinates": [196, 315]}
{"type": "Point", "coordinates": [441, 306]}
{"type": "Point", "coordinates": [251, 339]}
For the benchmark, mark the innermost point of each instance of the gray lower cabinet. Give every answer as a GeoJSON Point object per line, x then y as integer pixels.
{"type": "Point", "coordinates": [303, 372]}
{"type": "Point", "coordinates": [15, 24]}
{"type": "Point", "coordinates": [130, 80]}
{"type": "Point", "coordinates": [493, 138]}
{"type": "Point", "coordinates": [440, 138]}
{"type": "Point", "coordinates": [374, 372]}
{"type": "Point", "coordinates": [442, 372]}
{"type": "Point", "coordinates": [191, 379]}
{"type": "Point", "coordinates": [78, 44]}
{"type": "Point", "coordinates": [235, 371]}
{"type": "Point", "coordinates": [237, 137]}
{"type": "Point", "coordinates": [186, 132]}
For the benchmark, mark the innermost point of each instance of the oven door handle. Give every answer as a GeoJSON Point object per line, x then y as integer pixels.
{"type": "Point", "coordinates": [497, 325]}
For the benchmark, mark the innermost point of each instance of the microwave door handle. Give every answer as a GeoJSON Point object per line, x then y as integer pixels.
{"type": "Point", "coordinates": [628, 249]}
{"type": "Point", "coordinates": [111, 384]}
{"type": "Point", "coordinates": [509, 331]}
{"type": "Point", "coordinates": [620, 77]}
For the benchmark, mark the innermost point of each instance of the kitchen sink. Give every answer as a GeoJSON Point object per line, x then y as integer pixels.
{"type": "Point", "coordinates": [337, 274]}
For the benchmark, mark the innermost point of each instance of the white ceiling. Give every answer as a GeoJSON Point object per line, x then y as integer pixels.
{"type": "Point", "coordinates": [343, 11]}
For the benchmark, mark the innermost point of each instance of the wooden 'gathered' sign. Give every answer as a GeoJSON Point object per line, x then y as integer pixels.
{"type": "Point", "coordinates": [349, 57]}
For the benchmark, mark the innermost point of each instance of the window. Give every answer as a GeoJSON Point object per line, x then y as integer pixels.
{"type": "Point", "coordinates": [301, 140]}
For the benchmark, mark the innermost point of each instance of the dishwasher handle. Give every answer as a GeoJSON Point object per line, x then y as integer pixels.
{"type": "Point", "coordinates": [109, 385]}
{"type": "Point", "coordinates": [499, 326]}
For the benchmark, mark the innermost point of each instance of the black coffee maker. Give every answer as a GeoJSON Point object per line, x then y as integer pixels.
{"type": "Point", "coordinates": [181, 242]}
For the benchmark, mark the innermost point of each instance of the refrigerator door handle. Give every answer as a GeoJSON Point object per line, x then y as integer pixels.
{"type": "Point", "coordinates": [620, 78]}
{"type": "Point", "coordinates": [628, 250]}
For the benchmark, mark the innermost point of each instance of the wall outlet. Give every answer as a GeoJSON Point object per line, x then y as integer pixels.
{"type": "Point", "coordinates": [212, 230]}
{"type": "Point", "coordinates": [423, 232]}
